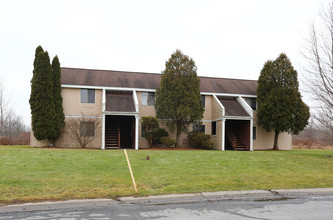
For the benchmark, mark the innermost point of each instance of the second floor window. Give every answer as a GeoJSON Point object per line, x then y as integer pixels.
{"type": "Point", "coordinates": [87, 95]}
{"type": "Point", "coordinates": [203, 100]}
{"type": "Point", "coordinates": [148, 98]}
{"type": "Point", "coordinates": [252, 102]}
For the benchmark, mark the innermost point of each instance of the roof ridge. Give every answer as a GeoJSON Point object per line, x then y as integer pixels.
{"type": "Point", "coordinates": [110, 70]}
{"type": "Point", "coordinates": [227, 78]}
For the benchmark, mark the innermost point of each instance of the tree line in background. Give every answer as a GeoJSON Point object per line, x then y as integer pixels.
{"type": "Point", "coordinates": [12, 129]}
{"type": "Point", "coordinates": [318, 78]}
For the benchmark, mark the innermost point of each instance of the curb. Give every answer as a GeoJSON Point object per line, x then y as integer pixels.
{"type": "Point", "coordinates": [229, 195]}
{"type": "Point", "coordinates": [246, 195]}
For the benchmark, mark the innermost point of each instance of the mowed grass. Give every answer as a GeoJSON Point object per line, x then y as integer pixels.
{"type": "Point", "coordinates": [35, 174]}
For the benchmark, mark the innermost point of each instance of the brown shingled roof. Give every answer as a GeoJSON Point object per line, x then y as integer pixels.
{"type": "Point", "coordinates": [232, 107]}
{"type": "Point", "coordinates": [108, 78]}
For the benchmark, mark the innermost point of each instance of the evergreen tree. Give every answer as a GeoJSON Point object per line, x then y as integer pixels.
{"type": "Point", "coordinates": [41, 98]}
{"type": "Point", "coordinates": [280, 105]}
{"type": "Point", "coordinates": [178, 102]}
{"type": "Point", "coordinates": [39, 49]}
{"type": "Point", "coordinates": [59, 117]}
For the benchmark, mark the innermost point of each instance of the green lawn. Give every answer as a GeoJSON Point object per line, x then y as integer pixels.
{"type": "Point", "coordinates": [32, 174]}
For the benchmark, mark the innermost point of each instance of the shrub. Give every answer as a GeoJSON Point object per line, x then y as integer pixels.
{"type": "Point", "coordinates": [4, 141]}
{"type": "Point", "coordinates": [158, 135]}
{"type": "Point", "coordinates": [200, 140]}
{"type": "Point", "coordinates": [167, 141]}
{"type": "Point", "coordinates": [150, 127]}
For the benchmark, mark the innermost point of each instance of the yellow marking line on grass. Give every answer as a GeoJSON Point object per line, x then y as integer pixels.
{"type": "Point", "coordinates": [130, 169]}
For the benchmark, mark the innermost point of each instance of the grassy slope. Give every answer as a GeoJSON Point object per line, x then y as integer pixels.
{"type": "Point", "coordinates": [29, 174]}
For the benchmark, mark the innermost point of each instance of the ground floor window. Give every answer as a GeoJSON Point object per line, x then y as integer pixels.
{"type": "Point", "coordinates": [142, 132]}
{"type": "Point", "coordinates": [87, 129]}
{"type": "Point", "coordinates": [199, 128]}
{"type": "Point", "coordinates": [254, 134]}
{"type": "Point", "coordinates": [214, 128]}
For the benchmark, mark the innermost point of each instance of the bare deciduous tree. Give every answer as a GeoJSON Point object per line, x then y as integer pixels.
{"type": "Point", "coordinates": [83, 130]}
{"type": "Point", "coordinates": [11, 125]}
{"type": "Point", "coordinates": [14, 127]}
{"type": "Point", "coordinates": [319, 71]}
{"type": "Point", "coordinates": [5, 111]}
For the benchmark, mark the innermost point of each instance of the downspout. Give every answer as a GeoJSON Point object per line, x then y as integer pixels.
{"type": "Point", "coordinates": [103, 119]}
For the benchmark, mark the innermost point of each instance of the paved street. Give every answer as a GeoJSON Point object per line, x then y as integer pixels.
{"type": "Point", "coordinates": [253, 207]}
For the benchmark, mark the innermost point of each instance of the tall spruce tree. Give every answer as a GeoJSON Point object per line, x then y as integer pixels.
{"type": "Point", "coordinates": [280, 105]}
{"type": "Point", "coordinates": [59, 117]}
{"type": "Point", "coordinates": [178, 102]}
{"type": "Point", "coordinates": [41, 98]}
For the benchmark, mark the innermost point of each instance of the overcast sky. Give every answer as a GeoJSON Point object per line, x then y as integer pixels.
{"type": "Point", "coordinates": [228, 39]}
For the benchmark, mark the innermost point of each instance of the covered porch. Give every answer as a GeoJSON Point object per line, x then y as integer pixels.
{"type": "Point", "coordinates": [120, 120]}
{"type": "Point", "coordinates": [237, 124]}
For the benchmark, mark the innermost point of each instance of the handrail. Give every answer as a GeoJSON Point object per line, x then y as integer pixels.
{"type": "Point", "coordinates": [230, 132]}
{"type": "Point", "coordinates": [118, 135]}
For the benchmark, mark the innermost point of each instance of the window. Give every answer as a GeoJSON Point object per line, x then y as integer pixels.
{"type": "Point", "coordinates": [199, 128]}
{"type": "Point", "coordinates": [87, 95]}
{"type": "Point", "coordinates": [252, 102]}
{"type": "Point", "coordinates": [254, 134]}
{"type": "Point", "coordinates": [148, 98]}
{"type": "Point", "coordinates": [203, 100]}
{"type": "Point", "coordinates": [214, 128]}
{"type": "Point", "coordinates": [143, 134]}
{"type": "Point", "coordinates": [87, 129]}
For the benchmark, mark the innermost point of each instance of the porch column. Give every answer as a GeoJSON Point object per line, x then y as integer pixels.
{"type": "Point", "coordinates": [103, 132]}
{"type": "Point", "coordinates": [223, 134]}
{"type": "Point", "coordinates": [136, 132]}
{"type": "Point", "coordinates": [251, 134]}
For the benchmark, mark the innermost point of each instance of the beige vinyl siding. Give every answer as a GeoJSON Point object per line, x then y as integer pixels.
{"type": "Point", "coordinates": [208, 110]}
{"type": "Point", "coordinates": [265, 140]}
{"type": "Point", "coordinates": [217, 139]}
{"type": "Point", "coordinates": [216, 109]}
{"type": "Point", "coordinates": [67, 142]}
{"type": "Point", "coordinates": [73, 106]}
{"type": "Point", "coordinates": [144, 110]}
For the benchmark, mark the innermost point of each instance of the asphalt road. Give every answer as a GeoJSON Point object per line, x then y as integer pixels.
{"type": "Point", "coordinates": [255, 206]}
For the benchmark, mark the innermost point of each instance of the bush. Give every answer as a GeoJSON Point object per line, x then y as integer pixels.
{"type": "Point", "coordinates": [152, 130]}
{"type": "Point", "coordinates": [150, 126]}
{"type": "Point", "coordinates": [158, 135]}
{"type": "Point", "coordinates": [167, 141]}
{"type": "Point", "coordinates": [200, 140]}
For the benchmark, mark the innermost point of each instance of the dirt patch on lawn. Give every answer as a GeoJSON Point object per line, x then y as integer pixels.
{"type": "Point", "coordinates": [321, 147]}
